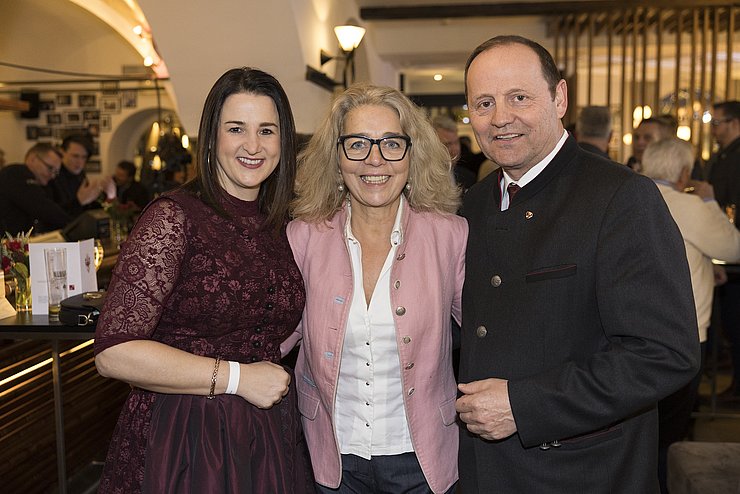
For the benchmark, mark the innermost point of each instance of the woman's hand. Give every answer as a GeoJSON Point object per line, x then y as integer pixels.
{"type": "Point", "coordinates": [263, 384]}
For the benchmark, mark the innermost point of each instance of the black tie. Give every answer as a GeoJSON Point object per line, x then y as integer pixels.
{"type": "Point", "coordinates": [512, 189]}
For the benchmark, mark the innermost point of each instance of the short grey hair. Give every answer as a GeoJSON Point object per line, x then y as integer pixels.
{"type": "Point", "coordinates": [666, 159]}
{"type": "Point", "coordinates": [444, 122]}
{"type": "Point", "coordinates": [594, 121]}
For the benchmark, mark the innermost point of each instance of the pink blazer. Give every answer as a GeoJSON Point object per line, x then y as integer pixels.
{"type": "Point", "coordinates": [426, 285]}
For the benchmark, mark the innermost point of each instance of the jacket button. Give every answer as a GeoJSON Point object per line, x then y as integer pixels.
{"type": "Point", "coordinates": [529, 215]}
{"type": "Point", "coordinates": [496, 280]}
{"type": "Point", "coordinates": [544, 446]}
{"type": "Point", "coordinates": [397, 284]}
{"type": "Point", "coordinates": [400, 311]}
{"type": "Point", "coordinates": [410, 365]}
{"type": "Point", "coordinates": [481, 331]}
{"type": "Point", "coordinates": [555, 444]}
{"type": "Point", "coordinates": [411, 391]}
{"type": "Point", "coordinates": [406, 340]}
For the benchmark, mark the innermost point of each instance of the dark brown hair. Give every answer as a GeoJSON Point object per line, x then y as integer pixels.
{"type": "Point", "coordinates": [277, 190]}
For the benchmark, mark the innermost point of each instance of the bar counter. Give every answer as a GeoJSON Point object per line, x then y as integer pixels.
{"type": "Point", "coordinates": [57, 413]}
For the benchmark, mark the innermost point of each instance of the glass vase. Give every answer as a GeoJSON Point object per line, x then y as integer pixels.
{"type": "Point", "coordinates": [22, 293]}
{"type": "Point", "coordinates": [118, 232]}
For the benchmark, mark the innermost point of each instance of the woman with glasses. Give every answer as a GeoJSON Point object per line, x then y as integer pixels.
{"type": "Point", "coordinates": [382, 255]}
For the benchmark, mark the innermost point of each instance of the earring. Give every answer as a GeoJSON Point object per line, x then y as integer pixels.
{"type": "Point", "coordinates": [340, 187]}
{"type": "Point", "coordinates": [408, 187]}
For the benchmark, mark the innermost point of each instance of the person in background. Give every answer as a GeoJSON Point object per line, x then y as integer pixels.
{"type": "Point", "coordinates": [204, 291]}
{"type": "Point", "coordinates": [723, 172]}
{"type": "Point", "coordinates": [446, 129]}
{"type": "Point", "coordinates": [128, 189]}
{"type": "Point", "coordinates": [72, 189]}
{"type": "Point", "coordinates": [578, 314]}
{"type": "Point", "coordinates": [468, 158]}
{"type": "Point", "coordinates": [594, 130]}
{"type": "Point", "coordinates": [707, 234]}
{"type": "Point", "coordinates": [382, 255]}
{"type": "Point", "coordinates": [24, 200]}
{"type": "Point", "coordinates": [647, 131]}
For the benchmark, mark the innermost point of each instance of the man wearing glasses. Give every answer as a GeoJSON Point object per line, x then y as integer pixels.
{"type": "Point", "coordinates": [723, 171]}
{"type": "Point", "coordinates": [24, 201]}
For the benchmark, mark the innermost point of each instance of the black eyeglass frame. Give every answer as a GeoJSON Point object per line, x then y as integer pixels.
{"type": "Point", "coordinates": [341, 139]}
{"type": "Point", "coordinates": [52, 169]}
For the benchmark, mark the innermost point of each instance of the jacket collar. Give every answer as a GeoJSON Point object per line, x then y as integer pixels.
{"type": "Point", "coordinates": [342, 220]}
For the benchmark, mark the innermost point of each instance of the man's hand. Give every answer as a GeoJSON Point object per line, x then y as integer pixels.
{"type": "Point", "coordinates": [720, 275]}
{"type": "Point", "coordinates": [485, 408]}
{"type": "Point", "coordinates": [108, 186]}
{"type": "Point", "coordinates": [88, 192]}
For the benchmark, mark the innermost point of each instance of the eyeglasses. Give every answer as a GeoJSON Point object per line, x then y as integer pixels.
{"type": "Point", "coordinates": [53, 170]}
{"type": "Point", "coordinates": [357, 148]}
{"type": "Point", "coordinates": [715, 122]}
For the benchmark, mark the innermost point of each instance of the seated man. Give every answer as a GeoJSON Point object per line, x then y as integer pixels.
{"type": "Point", "coordinates": [72, 190]}
{"type": "Point", "coordinates": [24, 200]}
{"type": "Point", "coordinates": [707, 234]}
{"type": "Point", "coordinates": [128, 189]}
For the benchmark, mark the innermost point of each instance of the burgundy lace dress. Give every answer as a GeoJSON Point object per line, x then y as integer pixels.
{"type": "Point", "coordinates": [210, 286]}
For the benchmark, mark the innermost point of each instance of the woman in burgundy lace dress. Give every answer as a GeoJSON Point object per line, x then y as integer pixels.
{"type": "Point", "coordinates": [204, 291]}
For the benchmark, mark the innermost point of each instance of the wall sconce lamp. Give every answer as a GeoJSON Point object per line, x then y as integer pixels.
{"type": "Point", "coordinates": [349, 35]}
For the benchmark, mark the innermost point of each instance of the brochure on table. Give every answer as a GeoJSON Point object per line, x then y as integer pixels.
{"type": "Point", "coordinates": [80, 271]}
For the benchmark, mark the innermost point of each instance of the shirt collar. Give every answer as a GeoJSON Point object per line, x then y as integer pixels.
{"type": "Point", "coordinates": [536, 169]}
{"type": "Point", "coordinates": [396, 237]}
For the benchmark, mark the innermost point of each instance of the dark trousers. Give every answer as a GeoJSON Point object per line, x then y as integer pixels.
{"type": "Point", "coordinates": [394, 474]}
{"type": "Point", "coordinates": [729, 299]}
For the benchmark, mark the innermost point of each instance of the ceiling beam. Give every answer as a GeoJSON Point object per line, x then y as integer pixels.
{"type": "Point", "coordinates": [524, 8]}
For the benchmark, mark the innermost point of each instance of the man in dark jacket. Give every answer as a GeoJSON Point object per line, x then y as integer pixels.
{"type": "Point", "coordinates": [578, 314]}
{"type": "Point", "coordinates": [24, 200]}
{"type": "Point", "coordinates": [72, 189]}
{"type": "Point", "coordinates": [724, 175]}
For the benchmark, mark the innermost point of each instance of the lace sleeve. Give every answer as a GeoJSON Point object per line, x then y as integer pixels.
{"type": "Point", "coordinates": [145, 275]}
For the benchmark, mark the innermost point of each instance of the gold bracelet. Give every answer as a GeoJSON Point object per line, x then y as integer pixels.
{"type": "Point", "coordinates": [213, 379]}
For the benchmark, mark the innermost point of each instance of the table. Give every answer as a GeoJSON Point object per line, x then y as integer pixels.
{"type": "Point", "coordinates": [38, 327]}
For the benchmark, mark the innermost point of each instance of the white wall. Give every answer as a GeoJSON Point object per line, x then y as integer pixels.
{"type": "Point", "coordinates": [59, 35]}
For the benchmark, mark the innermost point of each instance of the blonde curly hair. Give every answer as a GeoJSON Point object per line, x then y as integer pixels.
{"type": "Point", "coordinates": [433, 186]}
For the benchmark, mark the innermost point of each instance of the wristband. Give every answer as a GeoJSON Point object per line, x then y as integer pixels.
{"type": "Point", "coordinates": [234, 375]}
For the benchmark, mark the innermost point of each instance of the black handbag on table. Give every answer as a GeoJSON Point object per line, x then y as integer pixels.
{"type": "Point", "coordinates": [82, 309]}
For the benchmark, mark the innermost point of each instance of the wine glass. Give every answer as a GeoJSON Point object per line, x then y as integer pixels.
{"type": "Point", "coordinates": [99, 253]}
{"type": "Point", "coordinates": [731, 211]}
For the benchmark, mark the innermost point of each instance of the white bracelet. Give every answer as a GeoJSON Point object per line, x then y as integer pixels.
{"type": "Point", "coordinates": [234, 375]}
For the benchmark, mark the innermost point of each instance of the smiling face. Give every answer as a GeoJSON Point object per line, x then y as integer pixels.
{"type": "Point", "coordinates": [248, 144]}
{"type": "Point", "coordinates": [374, 182]}
{"type": "Point", "coordinates": [514, 116]}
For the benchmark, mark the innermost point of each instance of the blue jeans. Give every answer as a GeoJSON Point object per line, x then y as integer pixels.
{"type": "Point", "coordinates": [393, 474]}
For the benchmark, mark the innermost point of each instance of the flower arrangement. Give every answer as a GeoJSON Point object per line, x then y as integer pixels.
{"type": "Point", "coordinates": [15, 262]}
{"type": "Point", "coordinates": [122, 216]}
{"type": "Point", "coordinates": [123, 212]}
